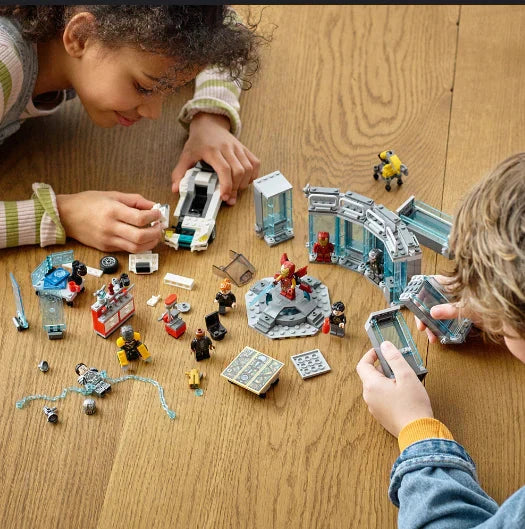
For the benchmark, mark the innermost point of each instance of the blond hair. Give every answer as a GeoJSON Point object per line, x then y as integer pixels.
{"type": "Point", "coordinates": [488, 241]}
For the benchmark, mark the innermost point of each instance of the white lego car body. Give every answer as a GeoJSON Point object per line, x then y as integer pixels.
{"type": "Point", "coordinates": [196, 210]}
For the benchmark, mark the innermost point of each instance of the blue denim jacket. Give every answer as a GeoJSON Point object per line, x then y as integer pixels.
{"type": "Point", "coordinates": [434, 484]}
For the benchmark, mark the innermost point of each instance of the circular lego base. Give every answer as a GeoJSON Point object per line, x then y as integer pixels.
{"type": "Point", "coordinates": [277, 317]}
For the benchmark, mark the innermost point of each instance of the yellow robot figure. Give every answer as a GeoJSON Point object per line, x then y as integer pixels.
{"type": "Point", "coordinates": [389, 168]}
{"type": "Point", "coordinates": [131, 347]}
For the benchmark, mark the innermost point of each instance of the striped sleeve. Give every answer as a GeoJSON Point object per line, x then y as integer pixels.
{"type": "Point", "coordinates": [33, 221]}
{"type": "Point", "coordinates": [215, 93]}
{"type": "Point", "coordinates": [11, 75]}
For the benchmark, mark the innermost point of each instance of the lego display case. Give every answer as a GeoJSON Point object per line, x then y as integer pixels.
{"type": "Point", "coordinates": [389, 325]}
{"type": "Point", "coordinates": [420, 295]}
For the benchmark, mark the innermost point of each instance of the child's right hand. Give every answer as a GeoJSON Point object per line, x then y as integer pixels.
{"type": "Point", "coordinates": [110, 221]}
{"type": "Point", "coordinates": [446, 311]}
{"type": "Point", "coordinates": [394, 403]}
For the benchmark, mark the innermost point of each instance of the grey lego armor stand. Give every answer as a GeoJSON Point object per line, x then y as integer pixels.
{"type": "Point", "coordinates": [420, 295]}
{"type": "Point", "coordinates": [276, 316]}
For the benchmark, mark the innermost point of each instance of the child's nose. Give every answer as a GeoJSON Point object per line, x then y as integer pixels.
{"type": "Point", "coordinates": [151, 109]}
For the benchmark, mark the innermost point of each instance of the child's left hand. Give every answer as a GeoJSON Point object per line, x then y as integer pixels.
{"type": "Point", "coordinates": [210, 140]}
{"type": "Point", "coordinates": [394, 403]}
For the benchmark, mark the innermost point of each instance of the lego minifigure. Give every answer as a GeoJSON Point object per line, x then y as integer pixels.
{"type": "Point", "coordinates": [131, 347]}
{"type": "Point", "coordinates": [225, 297]}
{"type": "Point", "coordinates": [174, 324]}
{"type": "Point", "coordinates": [78, 271]}
{"type": "Point", "coordinates": [389, 168]}
{"type": "Point", "coordinates": [337, 319]}
{"type": "Point", "coordinates": [323, 248]}
{"type": "Point", "coordinates": [201, 345]}
{"type": "Point", "coordinates": [289, 278]}
{"type": "Point", "coordinates": [91, 377]}
{"type": "Point", "coordinates": [375, 264]}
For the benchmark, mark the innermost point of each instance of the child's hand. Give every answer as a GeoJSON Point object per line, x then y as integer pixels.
{"type": "Point", "coordinates": [210, 140]}
{"type": "Point", "coordinates": [446, 311]}
{"type": "Point", "coordinates": [110, 221]}
{"type": "Point", "coordinates": [394, 403]}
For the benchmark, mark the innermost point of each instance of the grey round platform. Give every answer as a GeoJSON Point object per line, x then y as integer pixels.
{"type": "Point", "coordinates": [284, 318]}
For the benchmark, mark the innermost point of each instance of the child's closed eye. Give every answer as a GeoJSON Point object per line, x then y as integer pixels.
{"type": "Point", "coordinates": [143, 91]}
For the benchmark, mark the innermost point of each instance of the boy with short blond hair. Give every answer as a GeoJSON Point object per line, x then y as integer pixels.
{"type": "Point", "coordinates": [434, 482]}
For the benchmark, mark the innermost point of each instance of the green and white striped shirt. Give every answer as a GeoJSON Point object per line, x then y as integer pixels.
{"type": "Point", "coordinates": [37, 221]}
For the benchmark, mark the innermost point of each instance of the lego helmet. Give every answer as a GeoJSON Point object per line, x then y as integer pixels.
{"type": "Point", "coordinates": [374, 253]}
{"type": "Point", "coordinates": [287, 265]}
{"type": "Point", "coordinates": [199, 333]}
{"type": "Point", "coordinates": [226, 284]}
{"type": "Point", "coordinates": [127, 332]}
{"type": "Point", "coordinates": [323, 235]}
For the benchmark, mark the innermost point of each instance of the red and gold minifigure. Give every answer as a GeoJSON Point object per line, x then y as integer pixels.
{"type": "Point", "coordinates": [323, 248]}
{"type": "Point", "coordinates": [289, 278]}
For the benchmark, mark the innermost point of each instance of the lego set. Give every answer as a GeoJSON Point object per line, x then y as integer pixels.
{"type": "Point", "coordinates": [431, 226]}
{"type": "Point", "coordinates": [420, 295]}
{"type": "Point", "coordinates": [347, 229]}
{"type": "Point", "coordinates": [389, 324]}
{"type": "Point", "coordinates": [20, 319]}
{"type": "Point", "coordinates": [389, 168]}
{"type": "Point", "coordinates": [367, 238]}
{"type": "Point", "coordinates": [310, 364]}
{"type": "Point", "coordinates": [272, 195]}
{"type": "Point", "coordinates": [239, 269]}
{"type": "Point", "coordinates": [254, 371]}
{"type": "Point", "coordinates": [196, 210]}
{"type": "Point", "coordinates": [53, 283]}
{"type": "Point", "coordinates": [174, 325]}
{"type": "Point", "coordinates": [113, 307]}
{"type": "Point", "coordinates": [130, 347]}
{"type": "Point", "coordinates": [289, 305]}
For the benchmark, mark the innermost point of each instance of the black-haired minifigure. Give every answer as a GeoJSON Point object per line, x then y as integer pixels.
{"type": "Point", "coordinates": [90, 376]}
{"type": "Point", "coordinates": [337, 319]}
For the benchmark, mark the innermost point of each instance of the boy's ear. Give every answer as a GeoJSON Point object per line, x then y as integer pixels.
{"type": "Point", "coordinates": [77, 32]}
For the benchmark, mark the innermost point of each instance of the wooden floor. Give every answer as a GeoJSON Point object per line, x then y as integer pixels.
{"type": "Point", "coordinates": [444, 86]}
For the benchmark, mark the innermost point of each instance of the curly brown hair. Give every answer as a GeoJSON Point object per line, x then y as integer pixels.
{"type": "Point", "coordinates": [196, 35]}
{"type": "Point", "coordinates": [488, 241]}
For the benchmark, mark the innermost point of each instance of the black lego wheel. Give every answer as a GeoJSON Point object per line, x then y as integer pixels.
{"type": "Point", "coordinates": [109, 264]}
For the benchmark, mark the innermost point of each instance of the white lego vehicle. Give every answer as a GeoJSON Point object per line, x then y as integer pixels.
{"type": "Point", "coordinates": [196, 210]}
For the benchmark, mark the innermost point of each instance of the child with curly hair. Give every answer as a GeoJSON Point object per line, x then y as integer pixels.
{"type": "Point", "coordinates": [434, 482]}
{"type": "Point", "coordinates": [122, 62]}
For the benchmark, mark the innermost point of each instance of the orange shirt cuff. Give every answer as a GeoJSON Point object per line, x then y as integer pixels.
{"type": "Point", "coordinates": [426, 428]}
